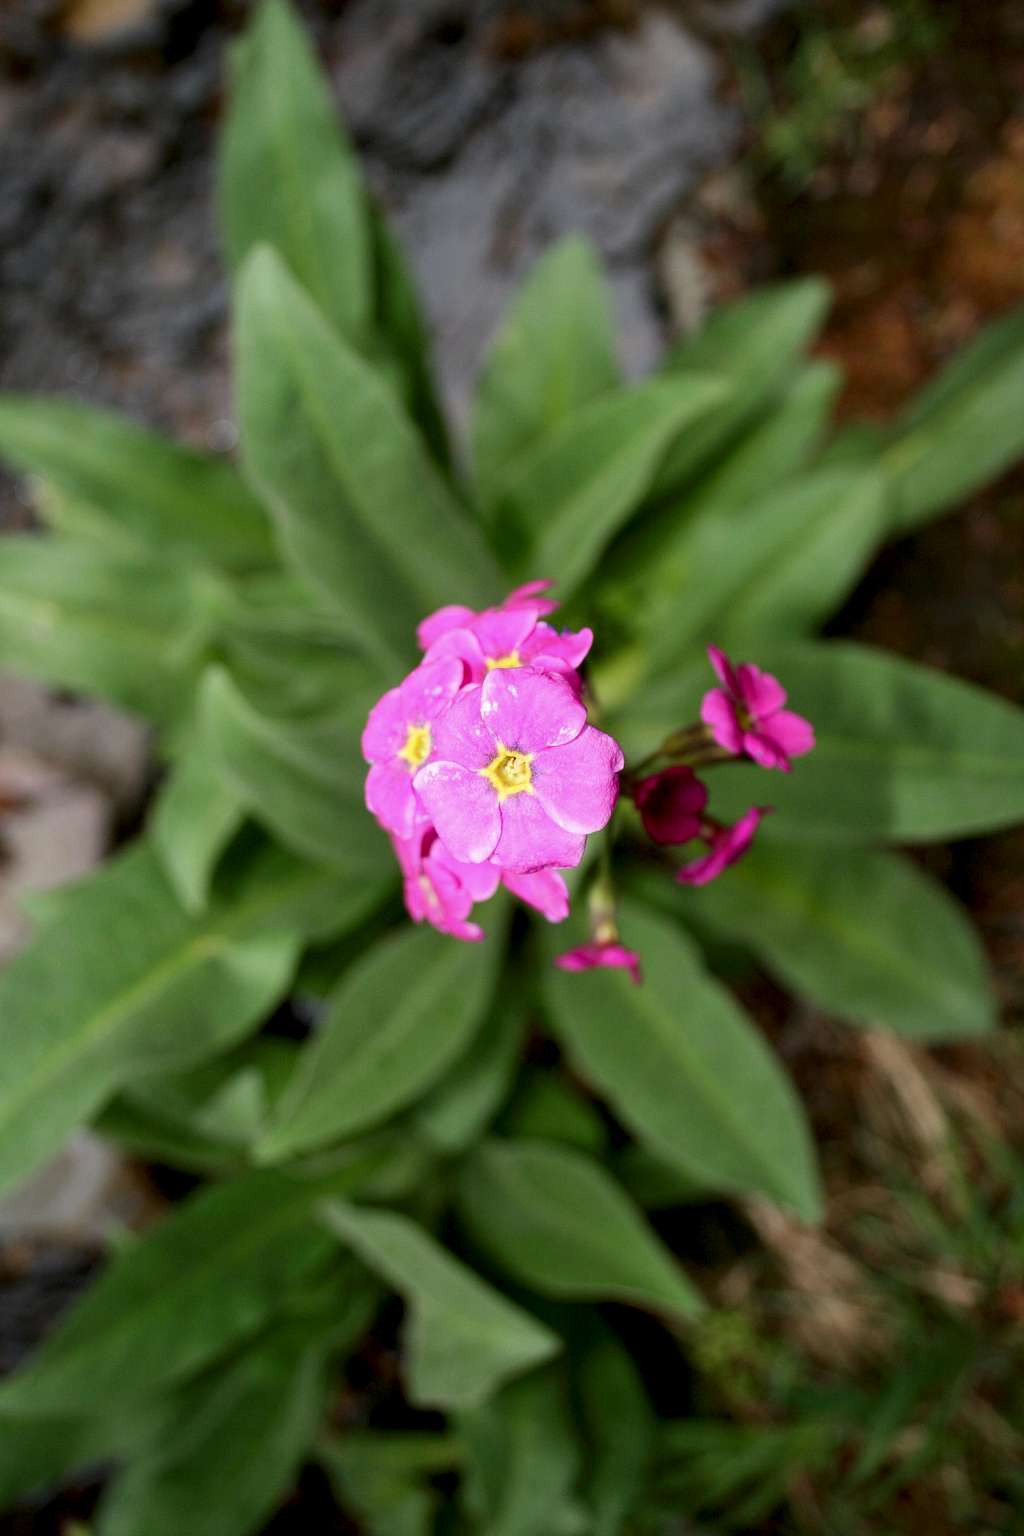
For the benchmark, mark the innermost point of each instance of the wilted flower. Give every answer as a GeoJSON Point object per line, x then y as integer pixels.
{"type": "Point", "coordinates": [671, 804]}
{"type": "Point", "coordinates": [725, 846]}
{"type": "Point", "coordinates": [607, 955]}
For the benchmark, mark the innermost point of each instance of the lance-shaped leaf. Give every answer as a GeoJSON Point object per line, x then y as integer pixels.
{"type": "Point", "coordinates": [862, 933]}
{"type": "Point", "coordinates": [964, 429]}
{"type": "Point", "coordinates": [458, 1109]}
{"type": "Point", "coordinates": [243, 1433]}
{"type": "Point", "coordinates": [904, 754]}
{"type": "Point", "coordinates": [303, 779]}
{"type": "Point", "coordinates": [190, 1290]}
{"type": "Point", "coordinates": [118, 626]}
{"type": "Point", "coordinates": [755, 345]}
{"type": "Point", "coordinates": [655, 558]}
{"type": "Point", "coordinates": [554, 352]}
{"type": "Point", "coordinates": [563, 502]}
{"type": "Point", "coordinates": [400, 325]}
{"type": "Point", "coordinates": [555, 1220]}
{"type": "Point", "coordinates": [522, 1458]}
{"type": "Point", "coordinates": [362, 512]}
{"type": "Point", "coordinates": [777, 567]}
{"type": "Point", "coordinates": [621, 1433]}
{"type": "Point", "coordinates": [288, 177]}
{"type": "Point", "coordinates": [141, 490]}
{"type": "Point", "coordinates": [462, 1339]}
{"type": "Point", "coordinates": [196, 816]}
{"type": "Point", "coordinates": [122, 982]}
{"type": "Point", "coordinates": [685, 1069]}
{"type": "Point", "coordinates": [401, 1016]}
{"type": "Point", "coordinates": [382, 1476]}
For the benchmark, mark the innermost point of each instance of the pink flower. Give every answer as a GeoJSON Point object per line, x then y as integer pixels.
{"type": "Point", "coordinates": [532, 592]}
{"type": "Point", "coordinates": [512, 637]}
{"type": "Point", "coordinates": [398, 739]}
{"type": "Point", "coordinates": [746, 716]}
{"type": "Point", "coordinates": [589, 957]}
{"type": "Point", "coordinates": [438, 889]}
{"type": "Point", "coordinates": [517, 774]}
{"type": "Point", "coordinates": [456, 616]}
{"type": "Point", "coordinates": [671, 804]}
{"type": "Point", "coordinates": [542, 889]}
{"type": "Point", "coordinates": [725, 846]}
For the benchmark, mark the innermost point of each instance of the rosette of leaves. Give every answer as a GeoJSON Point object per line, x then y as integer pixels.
{"type": "Point", "coordinates": [252, 612]}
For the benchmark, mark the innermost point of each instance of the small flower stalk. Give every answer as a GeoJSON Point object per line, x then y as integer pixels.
{"type": "Point", "coordinates": [485, 770]}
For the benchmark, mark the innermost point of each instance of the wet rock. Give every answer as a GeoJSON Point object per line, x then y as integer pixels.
{"type": "Point", "coordinates": [606, 136]}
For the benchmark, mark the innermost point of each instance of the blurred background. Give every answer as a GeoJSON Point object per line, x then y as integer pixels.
{"type": "Point", "coordinates": [706, 147]}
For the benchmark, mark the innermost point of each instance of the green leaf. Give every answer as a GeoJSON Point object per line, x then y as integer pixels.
{"type": "Point", "coordinates": [802, 577]}
{"type": "Point", "coordinates": [399, 323]}
{"type": "Point", "coordinates": [564, 500]}
{"type": "Point", "coordinates": [654, 560]}
{"type": "Point", "coordinates": [206, 1118]}
{"type": "Point", "coordinates": [904, 754]}
{"type": "Point", "coordinates": [861, 933]}
{"type": "Point", "coordinates": [522, 1458]}
{"type": "Point", "coordinates": [777, 567]}
{"type": "Point", "coordinates": [463, 1340]}
{"type": "Point", "coordinates": [403, 1013]}
{"type": "Point", "coordinates": [195, 817]}
{"type": "Point", "coordinates": [685, 1069]}
{"type": "Point", "coordinates": [555, 352]}
{"type": "Point", "coordinates": [303, 780]}
{"type": "Point", "coordinates": [464, 1102]}
{"type": "Point", "coordinates": [120, 627]}
{"type": "Point", "coordinates": [755, 344]}
{"type": "Point", "coordinates": [621, 1434]}
{"type": "Point", "coordinates": [247, 1430]}
{"type": "Point", "coordinates": [363, 514]}
{"type": "Point", "coordinates": [155, 496]}
{"type": "Point", "coordinates": [194, 1287]}
{"type": "Point", "coordinates": [964, 429]}
{"type": "Point", "coordinates": [123, 982]}
{"type": "Point", "coordinates": [555, 1220]}
{"type": "Point", "coordinates": [288, 177]}
{"type": "Point", "coordinates": [382, 1477]}
{"type": "Point", "coordinates": [548, 1107]}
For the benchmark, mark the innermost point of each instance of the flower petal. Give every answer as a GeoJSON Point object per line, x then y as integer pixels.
{"type": "Point", "coordinates": [531, 840]}
{"type": "Point", "coordinates": [454, 616]}
{"type": "Point", "coordinates": [389, 795]}
{"type": "Point", "coordinates": [463, 808]}
{"type": "Point", "coordinates": [542, 889]}
{"type": "Point", "coordinates": [762, 693]}
{"type": "Point", "coordinates": [463, 644]}
{"type": "Point", "coordinates": [428, 690]}
{"type": "Point", "coordinates": [577, 784]}
{"type": "Point", "coordinates": [671, 803]}
{"type": "Point", "coordinates": [724, 670]}
{"type": "Point", "coordinates": [461, 736]}
{"type": "Point", "coordinates": [571, 647]}
{"type": "Point", "coordinates": [500, 631]}
{"type": "Point", "coordinates": [718, 713]}
{"type": "Point", "coordinates": [790, 732]}
{"type": "Point", "coordinates": [528, 710]}
{"type": "Point", "coordinates": [761, 749]}
{"type": "Point", "coordinates": [386, 728]}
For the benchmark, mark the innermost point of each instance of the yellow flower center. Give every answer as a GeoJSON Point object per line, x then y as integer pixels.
{"type": "Point", "coordinates": [511, 660]}
{"type": "Point", "coordinates": [417, 746]}
{"type": "Point", "coordinates": [509, 772]}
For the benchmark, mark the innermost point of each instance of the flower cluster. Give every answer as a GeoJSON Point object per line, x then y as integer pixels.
{"type": "Point", "coordinates": [483, 767]}
{"type": "Point", "coordinates": [485, 771]}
